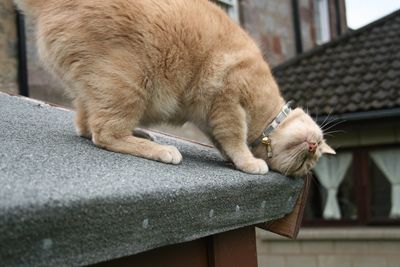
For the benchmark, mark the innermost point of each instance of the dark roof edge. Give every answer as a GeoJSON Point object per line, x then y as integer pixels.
{"type": "Point", "coordinates": [332, 43]}
{"type": "Point", "coordinates": [362, 116]}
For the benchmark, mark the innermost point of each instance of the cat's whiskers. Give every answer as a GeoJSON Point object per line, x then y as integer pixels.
{"type": "Point", "coordinates": [316, 117]}
{"type": "Point", "coordinates": [330, 133]}
{"type": "Point", "coordinates": [293, 160]}
{"type": "Point", "coordinates": [329, 121]}
{"type": "Point", "coordinates": [326, 120]}
{"type": "Point", "coordinates": [289, 162]}
{"type": "Point", "coordinates": [333, 124]}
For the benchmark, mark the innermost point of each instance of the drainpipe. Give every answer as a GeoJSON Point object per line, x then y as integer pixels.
{"type": "Point", "coordinates": [297, 26]}
{"type": "Point", "coordinates": [338, 18]}
{"type": "Point", "coordinates": [22, 58]}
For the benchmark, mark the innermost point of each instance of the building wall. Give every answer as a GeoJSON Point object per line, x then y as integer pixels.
{"type": "Point", "coordinates": [306, 14]}
{"type": "Point", "coordinates": [270, 23]}
{"type": "Point", "coordinates": [350, 246]}
{"type": "Point", "coordinates": [42, 85]}
{"type": "Point", "coordinates": [361, 134]}
{"type": "Point", "coordinates": [343, 18]}
{"type": "Point", "coordinates": [339, 247]}
{"type": "Point", "coordinates": [8, 49]}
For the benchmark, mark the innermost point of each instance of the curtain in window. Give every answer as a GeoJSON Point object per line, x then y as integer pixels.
{"type": "Point", "coordinates": [330, 171]}
{"type": "Point", "coordinates": [388, 161]}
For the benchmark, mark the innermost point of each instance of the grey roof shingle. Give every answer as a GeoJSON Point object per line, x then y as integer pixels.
{"type": "Point", "coordinates": [357, 72]}
{"type": "Point", "coordinates": [65, 202]}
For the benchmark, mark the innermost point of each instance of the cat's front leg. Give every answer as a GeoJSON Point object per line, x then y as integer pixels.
{"type": "Point", "coordinates": [81, 119]}
{"type": "Point", "coordinates": [112, 115]}
{"type": "Point", "coordinates": [229, 130]}
{"type": "Point", "coordinates": [249, 164]}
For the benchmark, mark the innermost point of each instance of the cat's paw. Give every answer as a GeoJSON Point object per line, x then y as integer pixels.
{"type": "Point", "coordinates": [169, 154]}
{"type": "Point", "coordinates": [253, 166]}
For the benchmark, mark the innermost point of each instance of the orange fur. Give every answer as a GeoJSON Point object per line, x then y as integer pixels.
{"type": "Point", "coordinates": [139, 62]}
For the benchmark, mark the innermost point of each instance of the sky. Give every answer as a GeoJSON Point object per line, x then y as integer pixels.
{"type": "Point", "coordinates": [362, 12]}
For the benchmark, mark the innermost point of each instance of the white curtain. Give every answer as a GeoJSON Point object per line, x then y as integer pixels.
{"type": "Point", "coordinates": [330, 171]}
{"type": "Point", "coordinates": [388, 161]}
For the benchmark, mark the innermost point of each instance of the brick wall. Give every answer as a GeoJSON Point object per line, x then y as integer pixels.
{"type": "Point", "coordinates": [350, 247]}
{"type": "Point", "coordinates": [8, 48]}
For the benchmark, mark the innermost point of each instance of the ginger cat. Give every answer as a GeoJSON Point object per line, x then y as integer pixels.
{"type": "Point", "coordinates": [130, 63]}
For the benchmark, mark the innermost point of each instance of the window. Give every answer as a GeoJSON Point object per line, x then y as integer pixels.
{"type": "Point", "coordinates": [322, 22]}
{"type": "Point", "coordinates": [230, 6]}
{"type": "Point", "coordinates": [356, 187]}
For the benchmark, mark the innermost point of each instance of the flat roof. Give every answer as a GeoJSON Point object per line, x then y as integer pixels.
{"type": "Point", "coordinates": [65, 202]}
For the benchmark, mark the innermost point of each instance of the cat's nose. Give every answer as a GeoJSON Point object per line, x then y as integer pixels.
{"type": "Point", "coordinates": [312, 147]}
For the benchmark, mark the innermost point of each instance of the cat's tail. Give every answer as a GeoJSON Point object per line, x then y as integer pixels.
{"type": "Point", "coordinates": [31, 7]}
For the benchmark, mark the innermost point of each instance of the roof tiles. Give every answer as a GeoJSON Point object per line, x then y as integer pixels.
{"type": "Point", "coordinates": [358, 72]}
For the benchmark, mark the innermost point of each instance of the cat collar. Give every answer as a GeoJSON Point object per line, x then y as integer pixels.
{"type": "Point", "coordinates": [264, 139]}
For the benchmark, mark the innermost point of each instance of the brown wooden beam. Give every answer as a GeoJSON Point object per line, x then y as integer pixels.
{"type": "Point", "coordinates": [233, 249]}
{"type": "Point", "coordinates": [193, 254]}
{"type": "Point", "coordinates": [289, 225]}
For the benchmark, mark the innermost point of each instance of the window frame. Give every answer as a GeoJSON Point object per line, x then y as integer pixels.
{"type": "Point", "coordinates": [322, 21]}
{"type": "Point", "coordinates": [362, 184]}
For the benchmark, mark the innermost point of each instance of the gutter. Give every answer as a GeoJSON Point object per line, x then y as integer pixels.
{"type": "Point", "coordinates": [344, 37]}
{"type": "Point", "coordinates": [362, 116]}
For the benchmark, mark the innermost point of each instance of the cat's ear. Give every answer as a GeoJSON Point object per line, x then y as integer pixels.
{"type": "Point", "coordinates": [326, 149]}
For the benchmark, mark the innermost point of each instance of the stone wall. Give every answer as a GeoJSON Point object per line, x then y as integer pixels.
{"type": "Point", "coordinates": [334, 247]}
{"type": "Point", "coordinates": [8, 48]}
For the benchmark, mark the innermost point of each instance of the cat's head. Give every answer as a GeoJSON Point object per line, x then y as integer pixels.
{"type": "Point", "coordinates": [297, 144]}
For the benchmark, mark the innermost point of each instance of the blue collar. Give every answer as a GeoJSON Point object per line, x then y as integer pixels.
{"type": "Point", "coordinates": [286, 109]}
